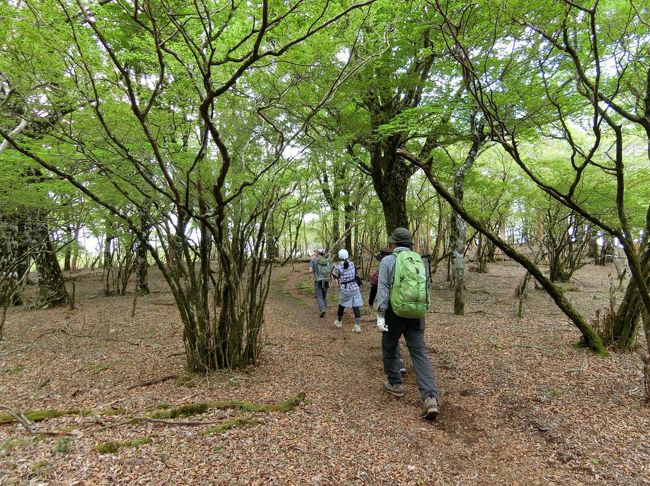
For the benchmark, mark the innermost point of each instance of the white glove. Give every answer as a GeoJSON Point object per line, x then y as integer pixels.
{"type": "Point", "coordinates": [381, 323]}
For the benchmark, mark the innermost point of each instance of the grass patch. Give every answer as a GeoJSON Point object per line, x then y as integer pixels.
{"type": "Point", "coordinates": [97, 368]}
{"type": "Point", "coordinates": [186, 380]}
{"type": "Point", "coordinates": [306, 286]}
{"type": "Point", "coordinates": [9, 444]}
{"type": "Point", "coordinates": [230, 424]}
{"type": "Point", "coordinates": [38, 467]}
{"type": "Point", "coordinates": [64, 446]}
{"type": "Point", "coordinates": [111, 447]}
{"type": "Point", "coordinates": [40, 415]}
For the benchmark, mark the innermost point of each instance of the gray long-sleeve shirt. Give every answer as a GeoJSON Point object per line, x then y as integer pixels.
{"type": "Point", "coordinates": [385, 281]}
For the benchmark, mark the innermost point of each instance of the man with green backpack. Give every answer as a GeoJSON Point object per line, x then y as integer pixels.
{"type": "Point", "coordinates": [321, 268]}
{"type": "Point", "coordinates": [402, 303]}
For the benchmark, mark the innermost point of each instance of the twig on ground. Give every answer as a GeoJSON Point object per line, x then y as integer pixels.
{"type": "Point", "coordinates": [110, 404]}
{"type": "Point", "coordinates": [152, 382]}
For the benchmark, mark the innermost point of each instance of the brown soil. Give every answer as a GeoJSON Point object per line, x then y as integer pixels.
{"type": "Point", "coordinates": [520, 405]}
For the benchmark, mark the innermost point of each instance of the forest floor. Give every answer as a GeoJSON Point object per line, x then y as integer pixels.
{"type": "Point", "coordinates": [519, 405]}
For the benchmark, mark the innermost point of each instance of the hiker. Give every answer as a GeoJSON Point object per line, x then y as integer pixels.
{"type": "Point", "coordinates": [349, 292]}
{"type": "Point", "coordinates": [391, 309]}
{"type": "Point", "coordinates": [374, 280]}
{"type": "Point", "coordinates": [321, 268]}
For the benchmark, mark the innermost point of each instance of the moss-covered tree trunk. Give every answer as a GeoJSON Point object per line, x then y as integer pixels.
{"type": "Point", "coordinates": [51, 287]}
{"type": "Point", "coordinates": [629, 314]}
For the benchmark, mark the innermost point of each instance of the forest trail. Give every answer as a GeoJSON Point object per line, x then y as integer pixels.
{"type": "Point", "coordinates": [519, 404]}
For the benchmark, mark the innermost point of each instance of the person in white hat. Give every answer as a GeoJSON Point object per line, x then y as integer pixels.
{"type": "Point", "coordinates": [349, 291]}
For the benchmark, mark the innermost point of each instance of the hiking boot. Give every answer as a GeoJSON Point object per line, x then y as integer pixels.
{"type": "Point", "coordinates": [397, 389]}
{"type": "Point", "coordinates": [429, 408]}
{"type": "Point", "coordinates": [322, 313]}
{"type": "Point", "coordinates": [356, 328]}
{"type": "Point", "coordinates": [338, 324]}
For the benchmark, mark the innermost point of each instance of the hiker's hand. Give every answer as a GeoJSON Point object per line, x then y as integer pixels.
{"type": "Point", "coordinates": [381, 323]}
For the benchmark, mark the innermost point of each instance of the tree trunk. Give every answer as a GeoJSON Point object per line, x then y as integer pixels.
{"type": "Point", "coordinates": [593, 245]}
{"type": "Point", "coordinates": [628, 315]}
{"type": "Point", "coordinates": [336, 229]}
{"type": "Point", "coordinates": [142, 239]}
{"type": "Point", "coordinates": [458, 225]}
{"type": "Point", "coordinates": [67, 259]}
{"type": "Point", "coordinates": [50, 278]}
{"type": "Point", "coordinates": [440, 236]}
{"type": "Point", "coordinates": [606, 252]}
{"type": "Point", "coordinates": [272, 242]}
{"type": "Point", "coordinates": [108, 253]}
{"type": "Point", "coordinates": [457, 244]}
{"type": "Point", "coordinates": [482, 253]}
{"type": "Point", "coordinates": [348, 224]}
{"type": "Point", "coordinates": [556, 269]}
{"type": "Point", "coordinates": [390, 178]}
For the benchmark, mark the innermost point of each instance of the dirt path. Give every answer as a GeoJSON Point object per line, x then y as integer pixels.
{"type": "Point", "coordinates": [519, 404]}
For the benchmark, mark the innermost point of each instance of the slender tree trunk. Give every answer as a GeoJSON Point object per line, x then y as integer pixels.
{"type": "Point", "coordinates": [272, 242]}
{"type": "Point", "coordinates": [336, 229]}
{"type": "Point", "coordinates": [67, 259]}
{"type": "Point", "coordinates": [458, 234]}
{"type": "Point", "coordinates": [606, 252]}
{"type": "Point", "coordinates": [440, 236]}
{"type": "Point", "coordinates": [458, 225]}
{"type": "Point", "coordinates": [108, 263]}
{"type": "Point", "coordinates": [349, 225]}
{"type": "Point", "coordinates": [50, 277]}
{"type": "Point", "coordinates": [142, 268]}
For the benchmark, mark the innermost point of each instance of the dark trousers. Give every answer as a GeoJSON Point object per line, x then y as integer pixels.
{"type": "Point", "coordinates": [321, 294]}
{"type": "Point", "coordinates": [413, 332]}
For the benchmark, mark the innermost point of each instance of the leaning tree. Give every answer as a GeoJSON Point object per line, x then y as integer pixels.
{"type": "Point", "coordinates": [567, 65]}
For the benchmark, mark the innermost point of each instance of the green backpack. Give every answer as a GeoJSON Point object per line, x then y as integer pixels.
{"type": "Point", "coordinates": [409, 296]}
{"type": "Point", "coordinates": [323, 269]}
